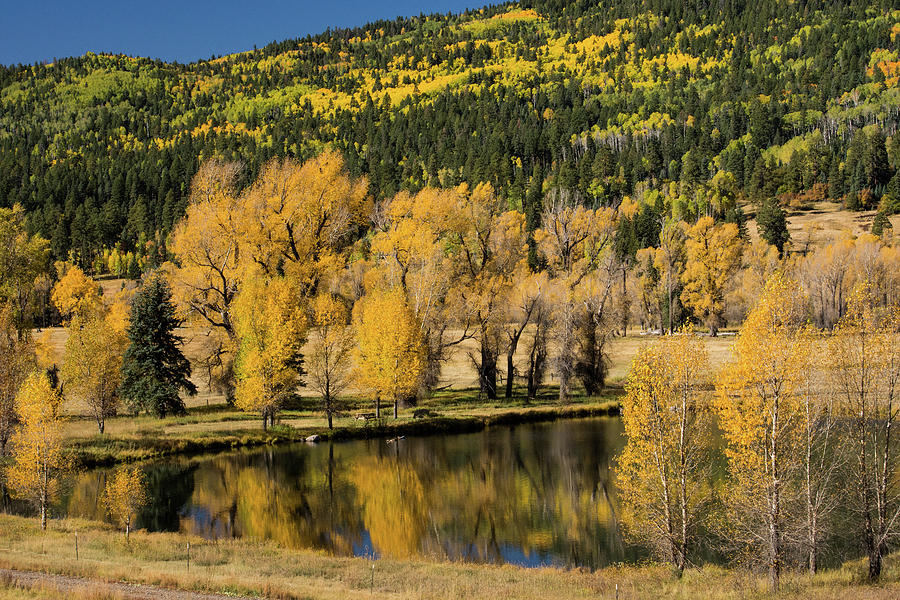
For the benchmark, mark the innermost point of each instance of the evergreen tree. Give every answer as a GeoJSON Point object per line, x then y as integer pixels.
{"type": "Point", "coordinates": [771, 222]}
{"type": "Point", "coordinates": [154, 368]}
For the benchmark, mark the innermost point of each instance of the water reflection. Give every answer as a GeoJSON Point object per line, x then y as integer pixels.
{"type": "Point", "coordinates": [531, 495]}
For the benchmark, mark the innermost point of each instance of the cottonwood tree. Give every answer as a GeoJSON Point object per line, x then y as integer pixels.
{"type": "Point", "coordinates": [669, 260]}
{"type": "Point", "coordinates": [298, 219]}
{"type": "Point", "coordinates": [526, 304]}
{"type": "Point", "coordinates": [205, 247]}
{"type": "Point", "coordinates": [758, 401]}
{"type": "Point", "coordinates": [713, 255]}
{"type": "Point", "coordinates": [409, 251]}
{"type": "Point", "coordinates": [76, 294]}
{"type": "Point", "coordinates": [92, 362]}
{"type": "Point", "coordinates": [865, 364]}
{"type": "Point", "coordinates": [389, 353]}
{"type": "Point", "coordinates": [125, 495]}
{"type": "Point", "coordinates": [23, 259]}
{"type": "Point", "coordinates": [154, 369]}
{"type": "Point", "coordinates": [17, 360]}
{"type": "Point", "coordinates": [489, 244]}
{"type": "Point", "coordinates": [38, 459]}
{"type": "Point", "coordinates": [577, 244]}
{"type": "Point", "coordinates": [328, 358]}
{"type": "Point", "coordinates": [664, 468]}
{"type": "Point", "coordinates": [271, 329]}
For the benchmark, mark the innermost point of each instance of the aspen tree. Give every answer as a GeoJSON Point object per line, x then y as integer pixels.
{"type": "Point", "coordinates": [865, 363]}
{"type": "Point", "coordinates": [759, 409]}
{"type": "Point", "coordinates": [664, 467]}
{"type": "Point", "coordinates": [125, 495]}
{"type": "Point", "coordinates": [271, 330]}
{"type": "Point", "coordinates": [38, 459]}
{"type": "Point", "coordinates": [330, 349]}
{"type": "Point", "coordinates": [713, 257]}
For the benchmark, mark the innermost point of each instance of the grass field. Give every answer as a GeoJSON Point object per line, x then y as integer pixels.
{"type": "Point", "coordinates": [213, 425]}
{"type": "Point", "coordinates": [265, 570]}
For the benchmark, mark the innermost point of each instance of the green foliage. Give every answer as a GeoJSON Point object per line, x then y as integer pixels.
{"type": "Point", "coordinates": [771, 221]}
{"type": "Point", "coordinates": [154, 369]}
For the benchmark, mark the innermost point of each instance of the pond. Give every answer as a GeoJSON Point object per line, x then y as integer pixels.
{"type": "Point", "coordinates": [530, 495]}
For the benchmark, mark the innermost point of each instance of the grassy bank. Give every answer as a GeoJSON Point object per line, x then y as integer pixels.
{"type": "Point", "coordinates": [266, 570]}
{"type": "Point", "coordinates": [221, 428]}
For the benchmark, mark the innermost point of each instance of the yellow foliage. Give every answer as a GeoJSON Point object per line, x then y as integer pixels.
{"type": "Point", "coordinates": [389, 352]}
{"type": "Point", "coordinates": [37, 458]}
{"type": "Point", "coordinates": [664, 467]}
{"type": "Point", "coordinates": [271, 329]}
{"type": "Point", "coordinates": [297, 216]}
{"type": "Point", "coordinates": [76, 294]}
{"type": "Point", "coordinates": [125, 495]}
{"type": "Point", "coordinates": [92, 365]}
{"type": "Point", "coordinates": [758, 402]}
{"type": "Point", "coordinates": [713, 256]}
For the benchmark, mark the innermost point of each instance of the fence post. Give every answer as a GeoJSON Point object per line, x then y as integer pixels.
{"type": "Point", "coordinates": [76, 545]}
{"type": "Point", "coordinates": [188, 556]}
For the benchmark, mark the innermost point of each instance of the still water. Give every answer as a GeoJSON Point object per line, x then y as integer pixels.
{"type": "Point", "coordinates": [529, 495]}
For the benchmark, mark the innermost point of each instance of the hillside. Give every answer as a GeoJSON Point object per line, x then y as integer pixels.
{"type": "Point", "coordinates": [728, 100]}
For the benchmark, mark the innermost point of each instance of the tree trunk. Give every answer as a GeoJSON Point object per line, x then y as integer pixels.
{"type": "Point", "coordinates": [101, 425]}
{"type": "Point", "coordinates": [265, 419]}
{"type": "Point", "coordinates": [377, 406]}
{"type": "Point", "coordinates": [396, 406]}
{"type": "Point", "coordinates": [488, 370]}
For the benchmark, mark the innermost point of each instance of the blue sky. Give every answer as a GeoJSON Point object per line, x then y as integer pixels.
{"type": "Point", "coordinates": [37, 30]}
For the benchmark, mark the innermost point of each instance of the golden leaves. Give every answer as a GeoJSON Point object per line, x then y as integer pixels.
{"type": "Point", "coordinates": [125, 495]}
{"type": "Point", "coordinates": [389, 354]}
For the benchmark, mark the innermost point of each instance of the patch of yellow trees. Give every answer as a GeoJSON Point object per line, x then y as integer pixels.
{"type": "Point", "coordinates": [806, 417]}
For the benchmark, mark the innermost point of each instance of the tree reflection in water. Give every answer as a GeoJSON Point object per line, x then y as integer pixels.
{"type": "Point", "coordinates": [530, 495]}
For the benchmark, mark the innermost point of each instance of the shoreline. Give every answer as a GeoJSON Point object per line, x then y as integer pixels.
{"type": "Point", "coordinates": [87, 453]}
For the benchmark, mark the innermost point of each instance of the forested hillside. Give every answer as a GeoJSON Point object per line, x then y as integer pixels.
{"type": "Point", "coordinates": [730, 101]}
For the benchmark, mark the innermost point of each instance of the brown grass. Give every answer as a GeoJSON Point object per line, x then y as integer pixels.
{"type": "Point", "coordinates": [257, 568]}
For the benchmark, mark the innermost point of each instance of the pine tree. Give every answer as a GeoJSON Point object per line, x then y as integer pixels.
{"type": "Point", "coordinates": [772, 224]}
{"type": "Point", "coordinates": [154, 368]}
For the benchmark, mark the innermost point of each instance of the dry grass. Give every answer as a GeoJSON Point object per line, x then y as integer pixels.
{"type": "Point", "coordinates": [828, 223]}
{"type": "Point", "coordinates": [256, 568]}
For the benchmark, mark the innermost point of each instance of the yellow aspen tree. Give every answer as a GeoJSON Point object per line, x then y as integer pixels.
{"type": "Point", "coordinates": [271, 329]}
{"type": "Point", "coordinates": [125, 495]}
{"type": "Point", "coordinates": [37, 457]}
{"type": "Point", "coordinates": [17, 360]}
{"type": "Point", "coordinates": [329, 352]}
{"type": "Point", "coordinates": [389, 354]}
{"type": "Point", "coordinates": [713, 256]}
{"type": "Point", "coordinates": [758, 401]}
{"type": "Point", "coordinates": [664, 469]}
{"type": "Point", "coordinates": [76, 294]}
{"type": "Point", "coordinates": [23, 260]}
{"type": "Point", "coordinates": [92, 363]}
{"type": "Point", "coordinates": [864, 354]}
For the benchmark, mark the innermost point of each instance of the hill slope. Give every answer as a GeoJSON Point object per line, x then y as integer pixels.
{"type": "Point", "coordinates": [602, 100]}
